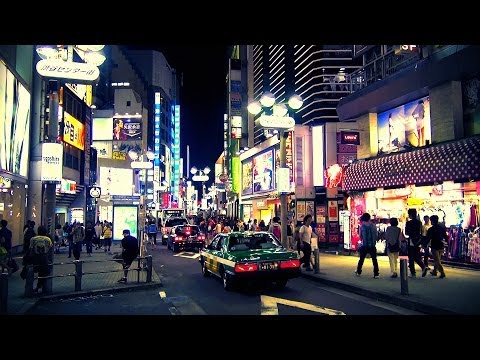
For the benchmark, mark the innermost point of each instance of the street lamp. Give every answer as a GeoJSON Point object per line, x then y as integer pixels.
{"type": "Point", "coordinates": [142, 161]}
{"type": "Point", "coordinates": [201, 176]}
{"type": "Point", "coordinates": [280, 121]}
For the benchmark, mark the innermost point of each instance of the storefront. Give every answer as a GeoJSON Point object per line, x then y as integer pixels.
{"type": "Point", "coordinates": [12, 207]}
{"type": "Point", "coordinates": [442, 180]}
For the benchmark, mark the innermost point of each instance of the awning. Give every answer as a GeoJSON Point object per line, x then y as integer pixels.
{"type": "Point", "coordinates": [453, 161]}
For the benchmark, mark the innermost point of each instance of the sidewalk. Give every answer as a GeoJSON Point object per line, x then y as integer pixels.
{"type": "Point", "coordinates": [458, 293]}
{"type": "Point", "coordinates": [17, 304]}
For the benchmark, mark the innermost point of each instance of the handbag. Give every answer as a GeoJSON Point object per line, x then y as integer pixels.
{"type": "Point", "coordinates": [395, 247]}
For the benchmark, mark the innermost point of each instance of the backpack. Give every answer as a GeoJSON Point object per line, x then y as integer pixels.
{"type": "Point", "coordinates": [276, 231]}
{"type": "Point", "coordinates": [78, 234]}
{"type": "Point", "coordinates": [40, 245]}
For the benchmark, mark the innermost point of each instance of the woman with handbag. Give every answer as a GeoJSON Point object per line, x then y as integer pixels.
{"type": "Point", "coordinates": [393, 237]}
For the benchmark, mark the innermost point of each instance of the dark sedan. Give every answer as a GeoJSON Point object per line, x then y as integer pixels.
{"type": "Point", "coordinates": [184, 237]}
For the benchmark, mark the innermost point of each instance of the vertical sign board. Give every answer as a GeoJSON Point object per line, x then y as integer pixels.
{"type": "Point", "coordinates": [332, 210]}
{"type": "Point", "coordinates": [176, 152]}
{"type": "Point", "coordinates": [52, 162]}
{"type": "Point", "coordinates": [289, 155]}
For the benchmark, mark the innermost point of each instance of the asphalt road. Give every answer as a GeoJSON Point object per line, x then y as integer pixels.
{"type": "Point", "coordinates": [186, 292]}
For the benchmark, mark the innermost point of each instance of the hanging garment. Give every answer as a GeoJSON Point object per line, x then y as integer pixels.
{"type": "Point", "coordinates": [473, 216]}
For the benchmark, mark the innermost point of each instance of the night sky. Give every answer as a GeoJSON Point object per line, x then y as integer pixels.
{"type": "Point", "coordinates": [202, 100]}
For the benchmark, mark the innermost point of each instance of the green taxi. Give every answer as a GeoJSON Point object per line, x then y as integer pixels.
{"type": "Point", "coordinates": [249, 256]}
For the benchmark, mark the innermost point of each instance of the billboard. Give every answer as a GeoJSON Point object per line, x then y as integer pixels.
{"type": "Point", "coordinates": [262, 165]}
{"type": "Point", "coordinates": [104, 149]}
{"type": "Point", "coordinates": [14, 123]}
{"type": "Point", "coordinates": [126, 217]}
{"type": "Point", "coordinates": [408, 124]}
{"type": "Point", "coordinates": [127, 128]}
{"type": "Point", "coordinates": [73, 131]}
{"type": "Point", "coordinates": [102, 129]}
{"type": "Point", "coordinates": [116, 181]}
{"type": "Point", "coordinates": [247, 177]}
{"type": "Point", "coordinates": [52, 162]}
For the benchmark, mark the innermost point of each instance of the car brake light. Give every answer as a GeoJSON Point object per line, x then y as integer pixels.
{"type": "Point", "coordinates": [201, 237]}
{"type": "Point", "coordinates": [246, 267]}
{"type": "Point", "coordinates": [178, 238]}
{"type": "Point", "coordinates": [294, 263]}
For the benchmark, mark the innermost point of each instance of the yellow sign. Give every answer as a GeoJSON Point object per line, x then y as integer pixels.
{"type": "Point", "coordinates": [119, 155]}
{"type": "Point", "coordinates": [414, 202]}
{"type": "Point", "coordinates": [73, 131]}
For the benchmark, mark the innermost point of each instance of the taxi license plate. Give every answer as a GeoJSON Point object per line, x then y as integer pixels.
{"type": "Point", "coordinates": [268, 265]}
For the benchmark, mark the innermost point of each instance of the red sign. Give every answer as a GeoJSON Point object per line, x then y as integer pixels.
{"type": "Point", "coordinates": [350, 137]}
{"type": "Point", "coordinates": [289, 154]}
{"type": "Point", "coordinates": [333, 176]}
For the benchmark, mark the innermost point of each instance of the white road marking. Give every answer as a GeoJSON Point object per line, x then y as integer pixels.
{"type": "Point", "coordinates": [377, 303]}
{"type": "Point", "coordinates": [185, 255]}
{"type": "Point", "coordinates": [270, 306]}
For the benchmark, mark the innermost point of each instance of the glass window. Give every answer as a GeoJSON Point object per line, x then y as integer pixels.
{"type": "Point", "coordinates": [255, 241]}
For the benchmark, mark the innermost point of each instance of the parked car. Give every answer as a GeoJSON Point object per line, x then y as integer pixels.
{"type": "Point", "coordinates": [186, 237]}
{"type": "Point", "coordinates": [169, 224]}
{"type": "Point", "coordinates": [249, 256]}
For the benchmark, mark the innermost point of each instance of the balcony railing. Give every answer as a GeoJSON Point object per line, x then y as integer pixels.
{"type": "Point", "coordinates": [380, 68]}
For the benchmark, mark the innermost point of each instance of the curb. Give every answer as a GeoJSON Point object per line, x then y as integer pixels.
{"type": "Point", "coordinates": [407, 304]}
{"type": "Point", "coordinates": [98, 292]}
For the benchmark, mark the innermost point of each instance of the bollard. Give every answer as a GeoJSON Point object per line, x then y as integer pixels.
{"type": "Point", "coordinates": [3, 292]}
{"type": "Point", "coordinates": [48, 284]}
{"type": "Point", "coordinates": [78, 275]}
{"type": "Point", "coordinates": [316, 253]}
{"type": "Point", "coordinates": [29, 281]}
{"type": "Point", "coordinates": [403, 275]}
{"type": "Point", "coordinates": [149, 268]}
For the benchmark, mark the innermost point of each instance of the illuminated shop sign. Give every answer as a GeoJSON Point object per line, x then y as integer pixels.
{"type": "Point", "coordinates": [52, 162]}
{"type": "Point", "coordinates": [125, 128]}
{"type": "Point", "coordinates": [318, 155]}
{"type": "Point", "coordinates": [289, 154]}
{"type": "Point", "coordinates": [157, 111]}
{"type": "Point", "coordinates": [73, 131]}
{"type": "Point", "coordinates": [176, 150]}
{"type": "Point", "coordinates": [67, 187]}
{"type": "Point", "coordinates": [350, 137]}
{"type": "Point", "coordinates": [247, 178]}
{"type": "Point", "coordinates": [263, 172]}
{"type": "Point", "coordinates": [59, 69]}
{"type": "Point", "coordinates": [5, 183]}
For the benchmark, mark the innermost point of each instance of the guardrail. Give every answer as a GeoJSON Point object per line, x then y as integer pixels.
{"type": "Point", "coordinates": [78, 274]}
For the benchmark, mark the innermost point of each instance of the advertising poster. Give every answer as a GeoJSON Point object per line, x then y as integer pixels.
{"type": "Point", "coordinates": [14, 123]}
{"type": "Point", "coordinates": [321, 215]}
{"type": "Point", "coordinates": [301, 210]}
{"type": "Point", "coordinates": [407, 124]}
{"type": "Point", "coordinates": [104, 149]}
{"type": "Point", "coordinates": [320, 230]}
{"type": "Point", "coordinates": [120, 149]}
{"type": "Point", "coordinates": [102, 129]}
{"type": "Point", "coordinates": [125, 217]}
{"type": "Point", "coordinates": [309, 208]}
{"type": "Point", "coordinates": [332, 210]}
{"type": "Point", "coordinates": [263, 172]}
{"type": "Point", "coordinates": [247, 177]}
{"type": "Point", "coordinates": [73, 131]}
{"type": "Point", "coordinates": [52, 162]}
{"type": "Point", "coordinates": [357, 208]}
{"type": "Point", "coordinates": [345, 228]}
{"type": "Point", "coordinates": [113, 181]}
{"type": "Point", "coordinates": [127, 128]}
{"type": "Point", "coordinates": [333, 232]}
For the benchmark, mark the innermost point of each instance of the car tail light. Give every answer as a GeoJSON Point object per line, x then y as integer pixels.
{"type": "Point", "coordinates": [201, 237]}
{"type": "Point", "coordinates": [293, 263]}
{"type": "Point", "coordinates": [246, 267]}
{"type": "Point", "coordinates": [178, 238]}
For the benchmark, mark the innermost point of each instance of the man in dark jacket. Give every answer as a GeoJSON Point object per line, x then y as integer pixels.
{"type": "Point", "coordinates": [129, 252]}
{"type": "Point", "coordinates": [413, 229]}
{"type": "Point", "coordinates": [436, 234]}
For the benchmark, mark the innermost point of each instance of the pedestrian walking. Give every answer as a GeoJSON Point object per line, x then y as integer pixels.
{"type": "Point", "coordinates": [78, 236]}
{"type": "Point", "coordinates": [38, 255]}
{"type": "Point", "coordinates": [413, 229]}
{"type": "Point", "coordinates": [393, 237]}
{"type": "Point", "coordinates": [437, 234]}
{"type": "Point", "coordinates": [90, 236]}
{"type": "Point", "coordinates": [368, 237]}
{"type": "Point", "coordinates": [305, 233]}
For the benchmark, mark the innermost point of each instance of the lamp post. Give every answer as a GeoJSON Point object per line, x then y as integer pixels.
{"type": "Point", "coordinates": [142, 161]}
{"type": "Point", "coordinates": [278, 119]}
{"type": "Point", "coordinates": [200, 176]}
